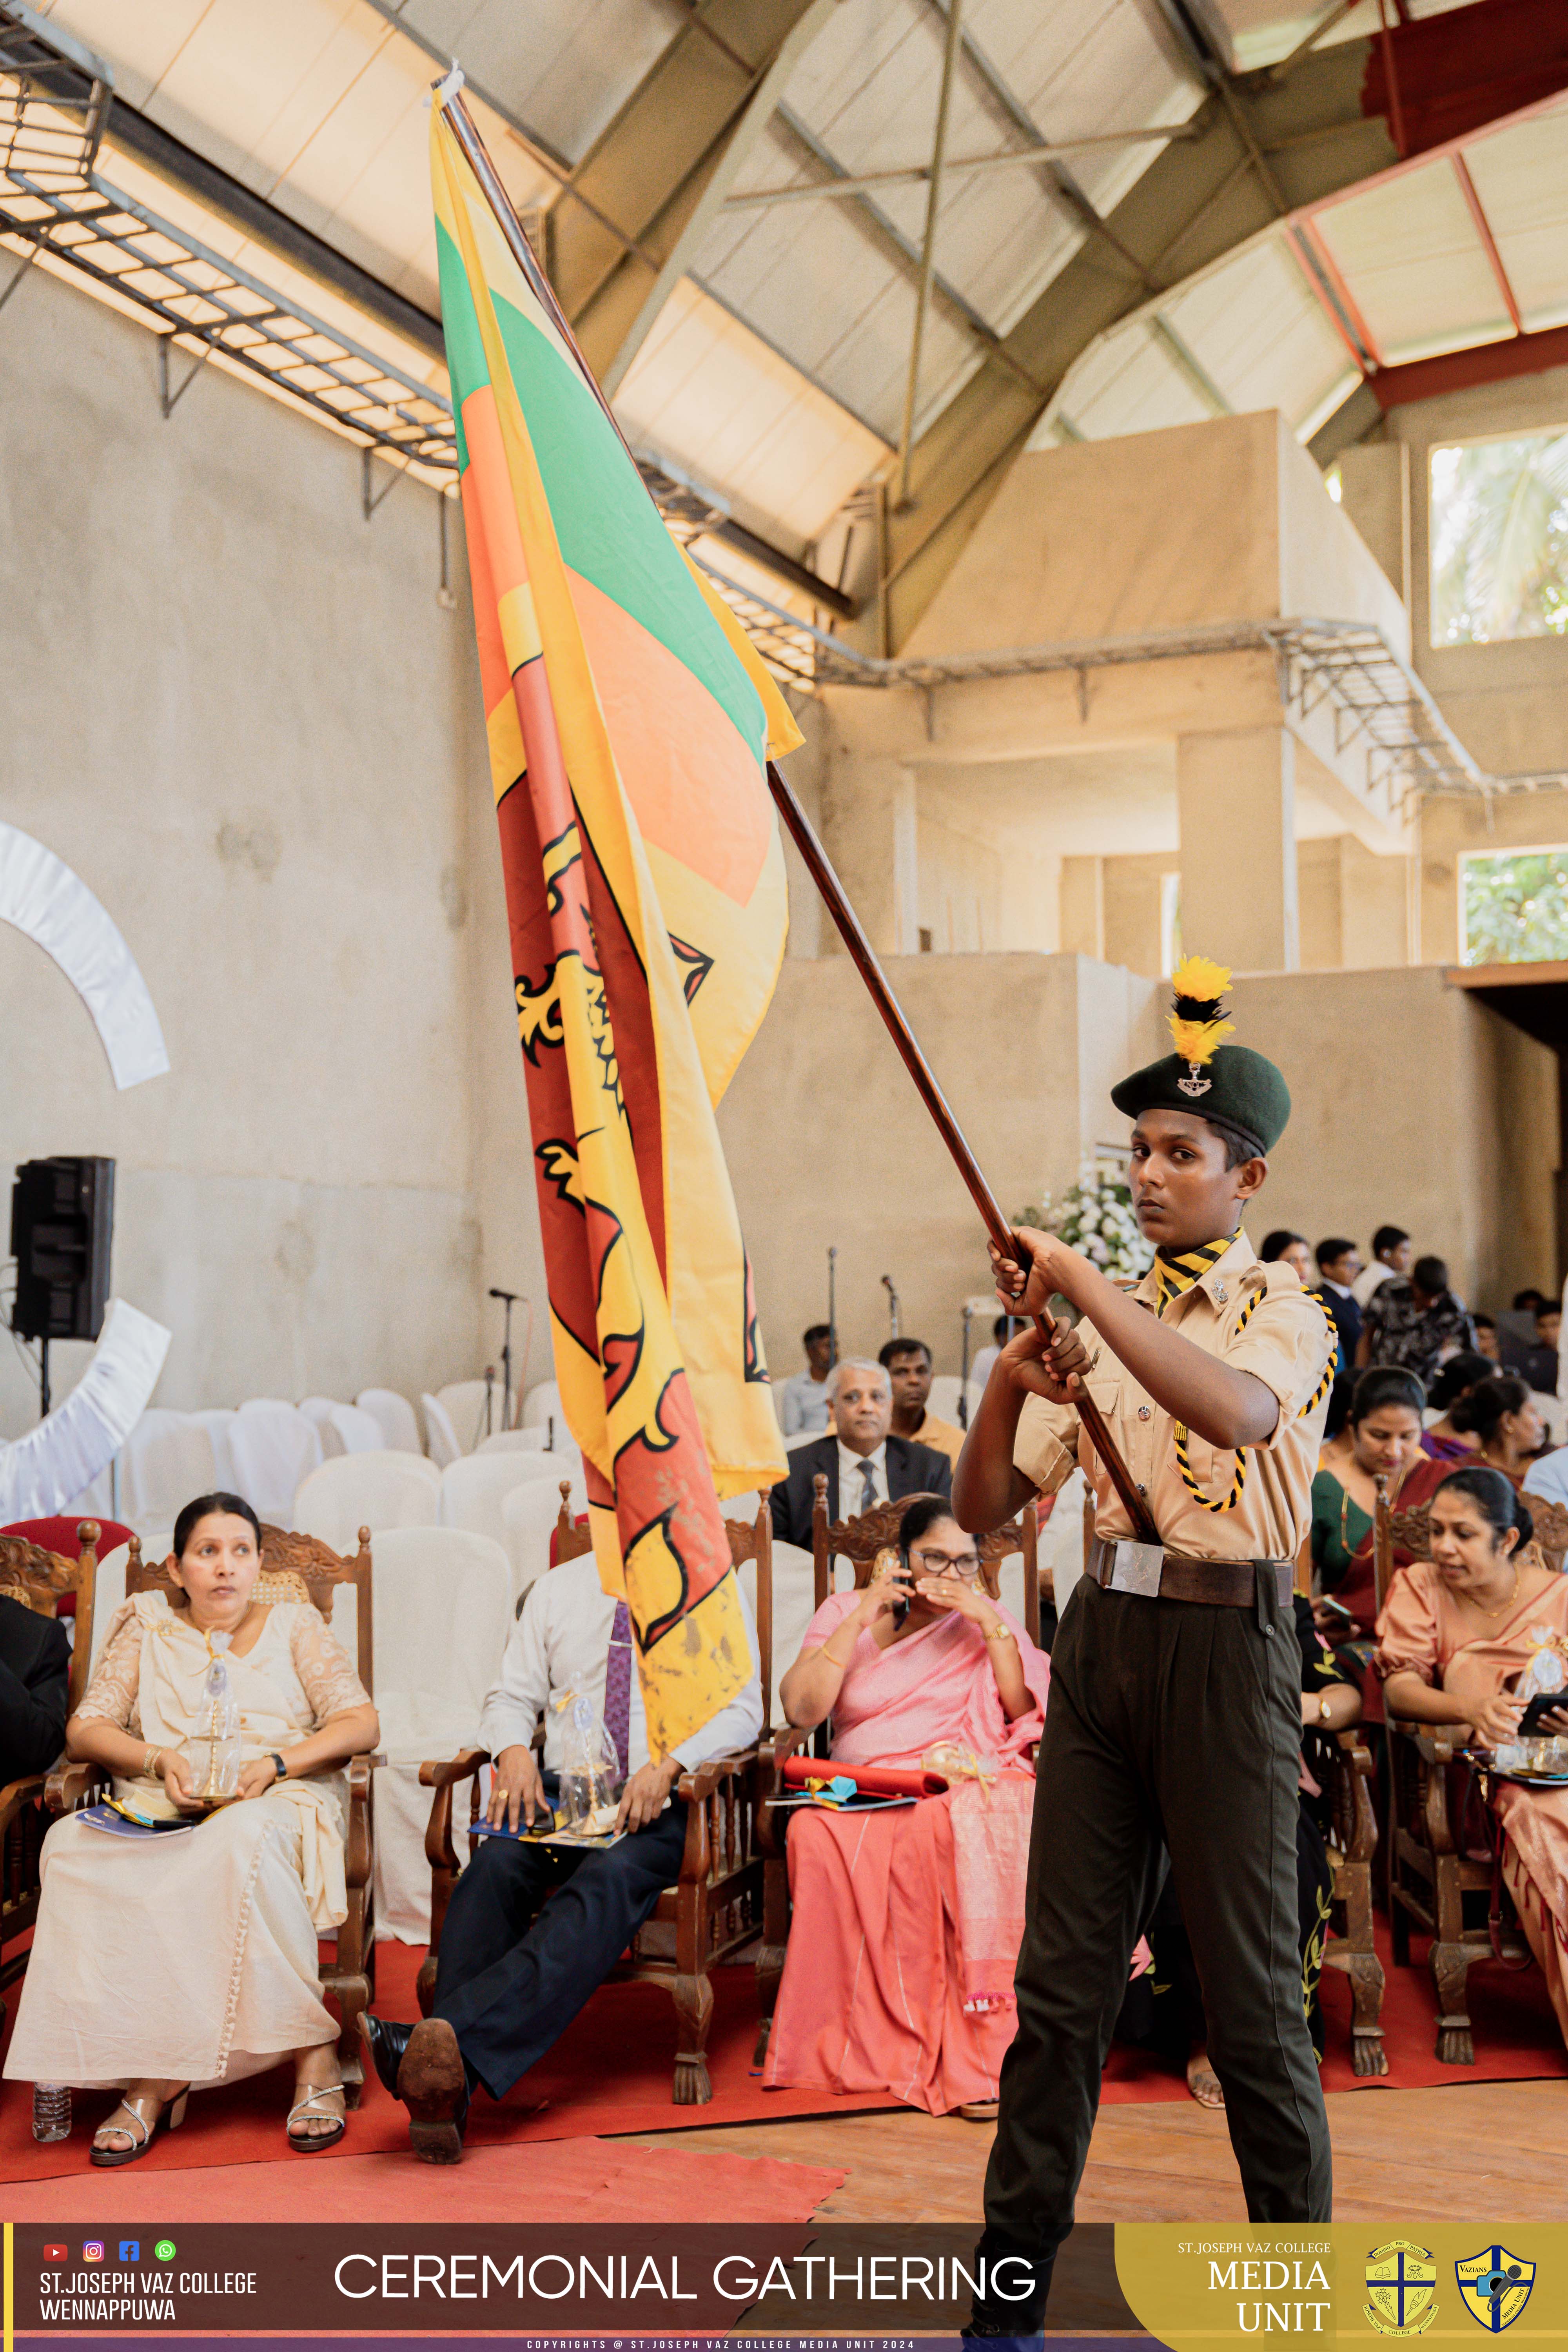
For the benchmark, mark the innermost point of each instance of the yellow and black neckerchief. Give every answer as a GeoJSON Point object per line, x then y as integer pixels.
{"type": "Point", "coordinates": [1178, 1272]}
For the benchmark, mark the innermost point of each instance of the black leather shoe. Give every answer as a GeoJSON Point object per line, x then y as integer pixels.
{"type": "Point", "coordinates": [386, 2042]}
{"type": "Point", "coordinates": [433, 2084]}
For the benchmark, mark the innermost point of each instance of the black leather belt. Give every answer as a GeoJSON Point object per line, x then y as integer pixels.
{"type": "Point", "coordinates": [1145, 1569]}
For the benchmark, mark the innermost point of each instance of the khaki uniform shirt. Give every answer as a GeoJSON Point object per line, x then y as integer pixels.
{"type": "Point", "coordinates": [1285, 1339]}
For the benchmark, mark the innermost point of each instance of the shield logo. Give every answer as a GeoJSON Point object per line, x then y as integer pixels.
{"type": "Point", "coordinates": [1495, 2287]}
{"type": "Point", "coordinates": [1402, 2288]}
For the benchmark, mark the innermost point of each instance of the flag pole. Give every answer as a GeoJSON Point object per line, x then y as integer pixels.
{"type": "Point", "coordinates": [801, 831]}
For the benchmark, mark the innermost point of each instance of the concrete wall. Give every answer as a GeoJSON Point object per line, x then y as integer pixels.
{"type": "Point", "coordinates": [1414, 1106]}
{"type": "Point", "coordinates": [827, 1142]}
{"type": "Point", "coordinates": [236, 709]}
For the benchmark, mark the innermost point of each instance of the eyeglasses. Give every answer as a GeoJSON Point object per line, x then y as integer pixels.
{"type": "Point", "coordinates": [939, 1563]}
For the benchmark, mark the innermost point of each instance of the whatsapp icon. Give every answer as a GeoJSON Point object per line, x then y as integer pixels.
{"type": "Point", "coordinates": [164, 2250]}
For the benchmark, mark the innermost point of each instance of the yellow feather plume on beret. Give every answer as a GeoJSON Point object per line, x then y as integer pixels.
{"type": "Point", "coordinates": [1196, 1026]}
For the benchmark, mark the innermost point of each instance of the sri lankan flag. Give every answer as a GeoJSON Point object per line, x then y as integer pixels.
{"type": "Point", "coordinates": [629, 723]}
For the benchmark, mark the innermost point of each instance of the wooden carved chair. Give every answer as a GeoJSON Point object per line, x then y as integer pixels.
{"type": "Point", "coordinates": [1434, 1879]}
{"type": "Point", "coordinates": [716, 1905]}
{"type": "Point", "coordinates": [296, 1567]}
{"type": "Point", "coordinates": [858, 1540]}
{"type": "Point", "coordinates": [38, 1579]}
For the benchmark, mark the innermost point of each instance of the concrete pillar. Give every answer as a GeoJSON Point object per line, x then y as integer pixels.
{"type": "Point", "coordinates": [1236, 797]}
{"type": "Point", "coordinates": [1374, 907]}
{"type": "Point", "coordinates": [1320, 904]}
{"type": "Point", "coordinates": [1374, 492]}
{"type": "Point", "coordinates": [1083, 906]}
{"type": "Point", "coordinates": [871, 830]}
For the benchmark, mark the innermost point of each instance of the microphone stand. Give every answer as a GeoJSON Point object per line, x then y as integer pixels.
{"type": "Point", "coordinates": [511, 1298]}
{"type": "Point", "coordinates": [964, 1381]}
{"type": "Point", "coordinates": [832, 1294]}
{"type": "Point", "coordinates": [893, 1306]}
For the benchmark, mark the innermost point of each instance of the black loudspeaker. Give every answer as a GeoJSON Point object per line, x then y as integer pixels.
{"type": "Point", "coordinates": [62, 1219]}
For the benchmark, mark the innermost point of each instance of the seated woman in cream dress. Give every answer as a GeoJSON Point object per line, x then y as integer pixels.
{"type": "Point", "coordinates": [162, 1966]}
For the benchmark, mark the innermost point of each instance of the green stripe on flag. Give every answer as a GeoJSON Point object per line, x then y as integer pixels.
{"type": "Point", "coordinates": [609, 528]}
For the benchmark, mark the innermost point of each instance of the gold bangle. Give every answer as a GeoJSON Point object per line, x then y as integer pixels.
{"type": "Point", "coordinates": [154, 1756]}
{"type": "Point", "coordinates": [1003, 1633]}
{"type": "Point", "coordinates": [843, 1664]}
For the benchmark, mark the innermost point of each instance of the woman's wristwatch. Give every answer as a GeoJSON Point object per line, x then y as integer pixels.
{"type": "Point", "coordinates": [1323, 1707]}
{"type": "Point", "coordinates": [281, 1767]}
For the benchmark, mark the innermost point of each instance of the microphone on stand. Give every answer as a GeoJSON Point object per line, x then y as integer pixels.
{"type": "Point", "coordinates": [893, 1306]}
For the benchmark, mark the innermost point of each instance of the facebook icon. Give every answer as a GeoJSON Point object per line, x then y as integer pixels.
{"type": "Point", "coordinates": [130, 2249]}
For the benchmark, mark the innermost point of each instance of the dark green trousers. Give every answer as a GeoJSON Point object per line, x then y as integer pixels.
{"type": "Point", "coordinates": [1176, 1725]}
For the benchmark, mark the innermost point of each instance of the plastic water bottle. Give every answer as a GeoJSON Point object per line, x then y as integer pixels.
{"type": "Point", "coordinates": [51, 2111]}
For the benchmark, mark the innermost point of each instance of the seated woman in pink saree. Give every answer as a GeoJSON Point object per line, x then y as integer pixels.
{"type": "Point", "coordinates": [906, 1924]}
{"type": "Point", "coordinates": [1471, 1636]}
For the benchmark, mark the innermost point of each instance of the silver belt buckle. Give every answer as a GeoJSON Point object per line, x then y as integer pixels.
{"type": "Point", "coordinates": [1137, 1567]}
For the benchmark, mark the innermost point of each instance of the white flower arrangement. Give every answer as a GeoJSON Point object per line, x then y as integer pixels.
{"type": "Point", "coordinates": [1095, 1215]}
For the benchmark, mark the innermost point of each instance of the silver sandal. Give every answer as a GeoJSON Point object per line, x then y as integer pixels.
{"type": "Point", "coordinates": [313, 2142]}
{"type": "Point", "coordinates": [170, 2113]}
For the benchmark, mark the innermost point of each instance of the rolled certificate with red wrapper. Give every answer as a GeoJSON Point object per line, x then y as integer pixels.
{"type": "Point", "coordinates": [871, 1779]}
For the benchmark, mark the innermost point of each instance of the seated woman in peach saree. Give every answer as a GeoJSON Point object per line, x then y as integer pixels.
{"type": "Point", "coordinates": [1470, 1636]}
{"type": "Point", "coordinates": [906, 1923]}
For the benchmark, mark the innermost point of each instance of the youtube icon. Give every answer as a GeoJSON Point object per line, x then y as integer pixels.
{"type": "Point", "coordinates": [57, 2254]}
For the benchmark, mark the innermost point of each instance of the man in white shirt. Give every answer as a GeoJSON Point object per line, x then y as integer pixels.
{"type": "Point", "coordinates": [864, 1464]}
{"type": "Point", "coordinates": [1392, 1251]}
{"type": "Point", "coordinates": [1001, 1330]}
{"type": "Point", "coordinates": [802, 1400]}
{"type": "Point", "coordinates": [515, 1970]}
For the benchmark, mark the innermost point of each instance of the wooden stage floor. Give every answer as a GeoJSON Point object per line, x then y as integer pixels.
{"type": "Point", "coordinates": [1434, 2155]}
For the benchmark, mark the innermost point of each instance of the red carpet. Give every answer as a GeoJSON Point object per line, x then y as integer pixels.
{"type": "Point", "coordinates": [611, 2074]}
{"type": "Point", "coordinates": [591, 2179]}
{"type": "Point", "coordinates": [1515, 2033]}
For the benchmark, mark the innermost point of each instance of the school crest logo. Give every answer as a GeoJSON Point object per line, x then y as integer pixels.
{"type": "Point", "coordinates": [1495, 2287]}
{"type": "Point", "coordinates": [1402, 2289]}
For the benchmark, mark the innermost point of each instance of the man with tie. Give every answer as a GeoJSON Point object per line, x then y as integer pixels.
{"type": "Point", "coordinates": [864, 1465]}
{"type": "Point", "coordinates": [514, 1969]}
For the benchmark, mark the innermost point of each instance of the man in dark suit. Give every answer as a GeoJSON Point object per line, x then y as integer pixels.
{"type": "Point", "coordinates": [35, 1673]}
{"type": "Point", "coordinates": [864, 1465]}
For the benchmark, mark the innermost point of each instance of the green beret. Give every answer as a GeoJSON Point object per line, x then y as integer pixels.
{"type": "Point", "coordinates": [1235, 1084]}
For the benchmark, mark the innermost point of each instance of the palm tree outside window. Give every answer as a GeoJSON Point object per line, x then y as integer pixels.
{"type": "Point", "coordinates": [1499, 540]}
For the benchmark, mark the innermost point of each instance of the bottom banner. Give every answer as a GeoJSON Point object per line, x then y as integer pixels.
{"type": "Point", "coordinates": [633, 2289]}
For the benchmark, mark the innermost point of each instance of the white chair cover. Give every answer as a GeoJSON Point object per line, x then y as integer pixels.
{"type": "Point", "coordinates": [217, 1421]}
{"type": "Point", "coordinates": [167, 1459]}
{"type": "Point", "coordinates": [441, 1438]}
{"type": "Point", "coordinates": [473, 1490]}
{"type": "Point", "coordinates": [356, 1431]}
{"type": "Point", "coordinates": [942, 1401]}
{"type": "Point", "coordinates": [512, 1441]}
{"type": "Point", "coordinates": [793, 1609]}
{"type": "Point", "coordinates": [465, 1402]}
{"type": "Point", "coordinates": [443, 1611]}
{"type": "Point", "coordinates": [541, 1403]}
{"type": "Point", "coordinates": [108, 1592]}
{"type": "Point", "coordinates": [273, 1448]}
{"type": "Point", "coordinates": [806, 1437]}
{"type": "Point", "coordinates": [399, 1423]}
{"type": "Point", "coordinates": [317, 1408]}
{"type": "Point", "coordinates": [529, 1515]}
{"type": "Point", "coordinates": [378, 1491]}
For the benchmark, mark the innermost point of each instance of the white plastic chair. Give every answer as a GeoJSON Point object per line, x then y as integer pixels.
{"type": "Point", "coordinates": [473, 1490]}
{"type": "Point", "coordinates": [529, 1515]}
{"type": "Point", "coordinates": [513, 1441]}
{"type": "Point", "coordinates": [218, 1420]}
{"type": "Point", "coordinates": [273, 1448]}
{"type": "Point", "coordinates": [465, 1402]}
{"type": "Point", "coordinates": [167, 1459]}
{"type": "Point", "coordinates": [540, 1404]}
{"type": "Point", "coordinates": [399, 1423]}
{"type": "Point", "coordinates": [440, 1437]}
{"type": "Point", "coordinates": [443, 1611]}
{"type": "Point", "coordinates": [378, 1491]}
